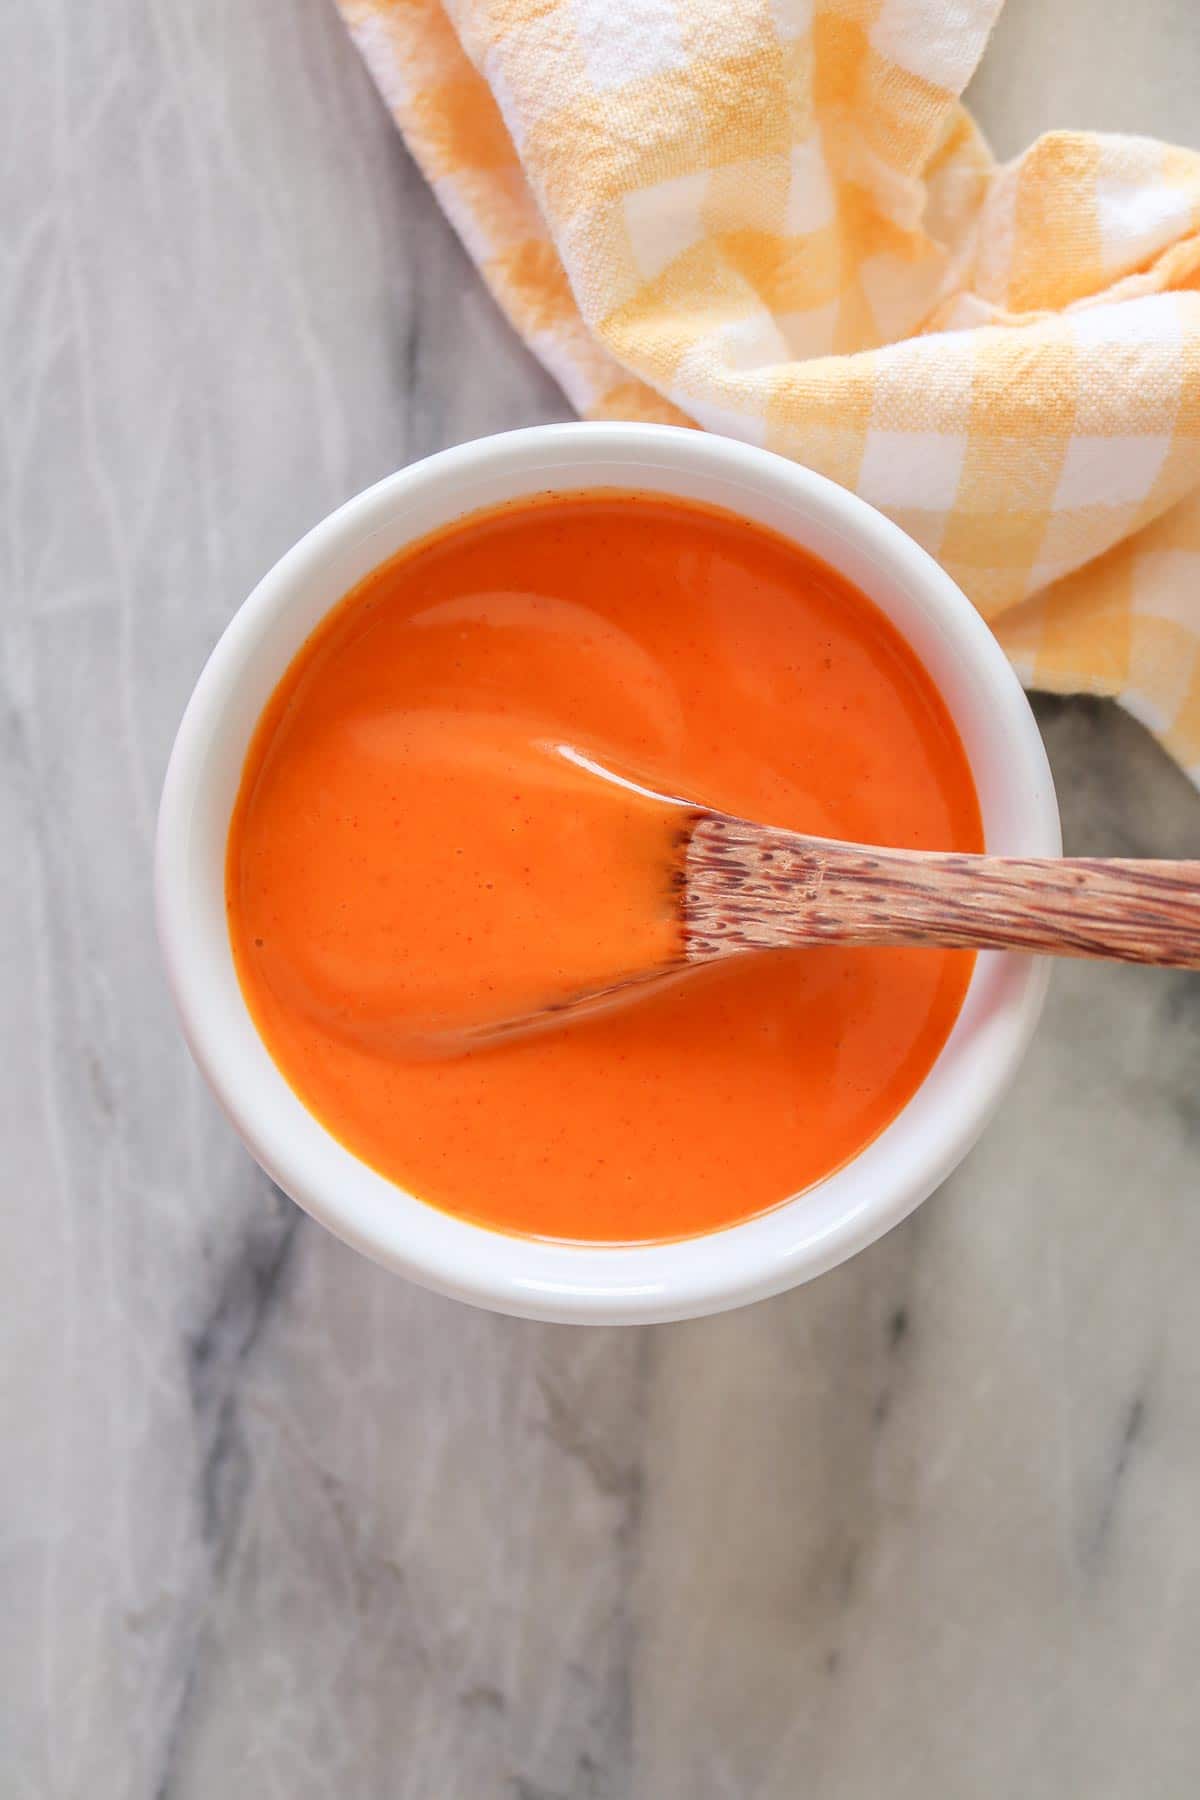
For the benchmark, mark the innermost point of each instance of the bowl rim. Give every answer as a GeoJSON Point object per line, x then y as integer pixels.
{"type": "Point", "coordinates": [579, 1282]}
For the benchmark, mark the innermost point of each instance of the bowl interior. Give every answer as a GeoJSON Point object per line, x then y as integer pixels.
{"type": "Point", "coordinates": [582, 1282]}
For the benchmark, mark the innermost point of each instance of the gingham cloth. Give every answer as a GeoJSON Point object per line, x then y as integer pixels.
{"type": "Point", "coordinates": [774, 218]}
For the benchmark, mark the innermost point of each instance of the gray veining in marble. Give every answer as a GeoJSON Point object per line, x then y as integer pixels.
{"type": "Point", "coordinates": [274, 1523]}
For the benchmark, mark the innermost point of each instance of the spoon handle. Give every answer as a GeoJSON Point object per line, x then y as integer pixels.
{"type": "Point", "coordinates": [806, 891]}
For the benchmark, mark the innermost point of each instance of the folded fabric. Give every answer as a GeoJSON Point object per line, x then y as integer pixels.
{"type": "Point", "coordinates": [774, 219]}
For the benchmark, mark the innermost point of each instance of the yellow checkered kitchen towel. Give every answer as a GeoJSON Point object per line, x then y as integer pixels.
{"type": "Point", "coordinates": [774, 218]}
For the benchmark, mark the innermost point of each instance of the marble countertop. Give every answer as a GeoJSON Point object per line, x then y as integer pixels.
{"type": "Point", "coordinates": [274, 1523]}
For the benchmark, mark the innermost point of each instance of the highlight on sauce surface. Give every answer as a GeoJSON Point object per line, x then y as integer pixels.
{"type": "Point", "coordinates": [418, 850]}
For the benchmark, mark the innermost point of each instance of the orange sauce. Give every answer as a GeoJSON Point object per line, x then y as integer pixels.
{"type": "Point", "coordinates": [410, 851]}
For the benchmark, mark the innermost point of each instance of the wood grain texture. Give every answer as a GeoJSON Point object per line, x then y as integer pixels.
{"type": "Point", "coordinates": [749, 887]}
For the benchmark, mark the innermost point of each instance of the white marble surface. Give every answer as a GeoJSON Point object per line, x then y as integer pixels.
{"type": "Point", "coordinates": [273, 1523]}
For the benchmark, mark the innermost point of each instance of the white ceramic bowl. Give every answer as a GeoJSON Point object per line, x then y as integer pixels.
{"type": "Point", "coordinates": [584, 1283]}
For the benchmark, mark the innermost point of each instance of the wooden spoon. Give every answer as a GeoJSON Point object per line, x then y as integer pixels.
{"type": "Point", "coordinates": [721, 886]}
{"type": "Point", "coordinates": [743, 886]}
